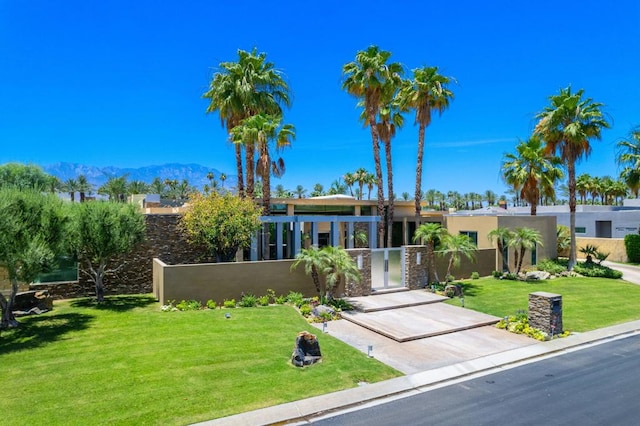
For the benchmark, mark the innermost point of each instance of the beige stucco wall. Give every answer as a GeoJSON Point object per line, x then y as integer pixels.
{"type": "Point", "coordinates": [480, 224]}
{"type": "Point", "coordinates": [219, 281]}
{"type": "Point", "coordinates": [613, 246]}
{"type": "Point", "coordinates": [546, 225]}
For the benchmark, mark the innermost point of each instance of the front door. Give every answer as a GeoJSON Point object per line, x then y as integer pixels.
{"type": "Point", "coordinates": [387, 268]}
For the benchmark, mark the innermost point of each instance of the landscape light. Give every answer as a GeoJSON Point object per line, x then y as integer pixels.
{"type": "Point", "coordinates": [462, 301]}
{"type": "Point", "coordinates": [227, 315]}
{"type": "Point", "coordinates": [370, 351]}
{"type": "Point", "coordinates": [324, 327]}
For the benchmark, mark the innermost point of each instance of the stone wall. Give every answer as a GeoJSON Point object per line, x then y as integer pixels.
{"type": "Point", "coordinates": [545, 312]}
{"type": "Point", "coordinates": [415, 273]}
{"type": "Point", "coordinates": [363, 288]}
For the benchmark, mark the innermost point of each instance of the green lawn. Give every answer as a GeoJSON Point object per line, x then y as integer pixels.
{"type": "Point", "coordinates": [588, 303]}
{"type": "Point", "coordinates": [128, 363]}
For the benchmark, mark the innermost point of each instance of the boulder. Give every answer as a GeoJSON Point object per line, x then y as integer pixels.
{"type": "Point", "coordinates": [27, 300]}
{"type": "Point", "coordinates": [537, 275]}
{"type": "Point", "coordinates": [323, 309]}
{"type": "Point", "coordinates": [454, 289]}
{"type": "Point", "coordinates": [306, 350]}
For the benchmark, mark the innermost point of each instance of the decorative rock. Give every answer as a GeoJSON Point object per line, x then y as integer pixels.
{"type": "Point", "coordinates": [27, 300]}
{"type": "Point", "coordinates": [323, 309]}
{"type": "Point", "coordinates": [537, 275]}
{"type": "Point", "coordinates": [455, 289]}
{"type": "Point", "coordinates": [306, 350]}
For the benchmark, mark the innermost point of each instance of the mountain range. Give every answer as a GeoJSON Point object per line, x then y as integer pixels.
{"type": "Point", "coordinates": [195, 174]}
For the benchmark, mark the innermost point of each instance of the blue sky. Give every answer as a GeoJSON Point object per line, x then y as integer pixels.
{"type": "Point", "coordinates": [119, 83]}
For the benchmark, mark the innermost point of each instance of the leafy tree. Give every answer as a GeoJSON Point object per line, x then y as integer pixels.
{"type": "Point", "coordinates": [242, 89]}
{"type": "Point", "coordinates": [101, 233]}
{"type": "Point", "coordinates": [523, 239]}
{"type": "Point", "coordinates": [430, 234]}
{"type": "Point", "coordinates": [532, 171]}
{"type": "Point", "coordinates": [32, 227]}
{"type": "Point", "coordinates": [426, 93]}
{"type": "Point", "coordinates": [502, 237]}
{"type": "Point", "coordinates": [223, 223]}
{"type": "Point", "coordinates": [366, 78]}
{"type": "Point", "coordinates": [456, 246]}
{"type": "Point", "coordinates": [25, 177]}
{"type": "Point", "coordinates": [567, 125]}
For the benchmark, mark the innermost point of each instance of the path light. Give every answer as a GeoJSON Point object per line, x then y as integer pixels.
{"type": "Point", "coordinates": [506, 322]}
{"type": "Point", "coordinates": [324, 327]}
{"type": "Point", "coordinates": [370, 351]}
{"type": "Point", "coordinates": [359, 261]}
{"type": "Point", "coordinates": [418, 258]}
{"type": "Point", "coordinates": [462, 301]}
{"type": "Point", "coordinates": [227, 315]}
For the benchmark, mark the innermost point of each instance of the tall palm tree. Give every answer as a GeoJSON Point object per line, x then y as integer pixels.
{"type": "Point", "coordinates": [532, 170]}
{"type": "Point", "coordinates": [361, 179]}
{"type": "Point", "coordinates": [490, 197]}
{"type": "Point", "coordinates": [628, 156]}
{"type": "Point", "coordinates": [349, 180]}
{"type": "Point", "coordinates": [135, 187]}
{"type": "Point", "coordinates": [318, 190]}
{"type": "Point", "coordinates": [300, 191]}
{"type": "Point", "coordinates": [503, 237]}
{"type": "Point", "coordinates": [157, 187]}
{"type": "Point", "coordinates": [262, 130]}
{"type": "Point", "coordinates": [242, 89]}
{"type": "Point", "coordinates": [84, 187]}
{"type": "Point", "coordinates": [71, 186]}
{"type": "Point", "coordinates": [431, 235]}
{"type": "Point", "coordinates": [567, 125]}
{"type": "Point", "coordinates": [426, 93]}
{"type": "Point", "coordinates": [115, 188]}
{"type": "Point", "coordinates": [366, 79]}
{"type": "Point", "coordinates": [582, 186]}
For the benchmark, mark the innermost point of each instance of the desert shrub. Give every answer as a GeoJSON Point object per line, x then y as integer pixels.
{"type": "Point", "coordinates": [632, 246]}
{"type": "Point", "coordinates": [229, 303]}
{"type": "Point", "coordinates": [280, 300]}
{"type": "Point", "coordinates": [211, 304]}
{"type": "Point", "coordinates": [295, 298]}
{"type": "Point", "coordinates": [263, 300]}
{"type": "Point", "coordinates": [189, 305]}
{"type": "Point", "coordinates": [340, 305]}
{"type": "Point", "coordinates": [248, 301]}
{"type": "Point", "coordinates": [596, 271]}
{"type": "Point", "coordinates": [475, 275]}
{"type": "Point", "coordinates": [551, 266]}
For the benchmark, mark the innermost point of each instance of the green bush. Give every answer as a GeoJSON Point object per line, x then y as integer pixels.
{"type": "Point", "coordinates": [475, 275]}
{"type": "Point", "coordinates": [248, 301]}
{"type": "Point", "coordinates": [305, 309]}
{"type": "Point", "coordinates": [596, 271]}
{"type": "Point", "coordinates": [280, 300]}
{"type": "Point", "coordinates": [496, 274]}
{"type": "Point", "coordinates": [189, 305]}
{"type": "Point", "coordinates": [211, 304]}
{"type": "Point", "coordinates": [551, 266]}
{"type": "Point", "coordinates": [295, 298]}
{"type": "Point", "coordinates": [340, 305]}
{"type": "Point", "coordinates": [229, 303]}
{"type": "Point", "coordinates": [632, 246]}
{"type": "Point", "coordinates": [510, 276]}
{"type": "Point", "coordinates": [263, 300]}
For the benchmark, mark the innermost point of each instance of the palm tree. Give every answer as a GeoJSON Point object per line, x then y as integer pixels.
{"type": "Point", "coordinates": [71, 186]}
{"type": "Point", "coordinates": [582, 186]}
{"type": "Point", "coordinates": [628, 156]}
{"type": "Point", "coordinates": [135, 187]}
{"type": "Point", "coordinates": [115, 188]}
{"type": "Point", "coordinates": [338, 264]}
{"type": "Point", "coordinates": [300, 191]}
{"type": "Point", "coordinates": [457, 246]}
{"type": "Point", "coordinates": [366, 79]}
{"type": "Point", "coordinates": [83, 187]}
{"type": "Point", "coordinates": [524, 239]}
{"type": "Point", "coordinates": [430, 234]}
{"type": "Point", "coordinates": [337, 188]}
{"type": "Point", "coordinates": [360, 176]}
{"type": "Point", "coordinates": [261, 130]}
{"type": "Point", "coordinates": [490, 197]}
{"type": "Point", "coordinates": [313, 263]}
{"type": "Point", "coordinates": [503, 237]}
{"type": "Point", "coordinates": [349, 180]}
{"type": "Point", "coordinates": [567, 125]}
{"type": "Point", "coordinates": [370, 180]}
{"type": "Point", "coordinates": [318, 190]}
{"type": "Point", "coordinates": [532, 171]}
{"type": "Point", "coordinates": [223, 178]}
{"type": "Point", "coordinates": [427, 92]}
{"type": "Point", "coordinates": [157, 186]}
{"type": "Point", "coordinates": [243, 89]}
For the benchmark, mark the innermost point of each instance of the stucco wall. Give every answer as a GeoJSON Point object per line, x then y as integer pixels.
{"type": "Point", "coordinates": [480, 224]}
{"type": "Point", "coordinates": [613, 246]}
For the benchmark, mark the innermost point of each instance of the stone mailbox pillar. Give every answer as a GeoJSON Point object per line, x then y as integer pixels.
{"type": "Point", "coordinates": [545, 312]}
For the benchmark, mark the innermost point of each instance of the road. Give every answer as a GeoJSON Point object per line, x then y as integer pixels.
{"type": "Point", "coordinates": [599, 385]}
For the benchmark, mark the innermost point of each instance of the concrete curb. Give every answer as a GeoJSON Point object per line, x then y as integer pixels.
{"type": "Point", "coordinates": [306, 409]}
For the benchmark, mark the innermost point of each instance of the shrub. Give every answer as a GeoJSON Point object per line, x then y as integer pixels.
{"type": "Point", "coordinates": [632, 246]}
{"type": "Point", "coordinates": [263, 300]}
{"type": "Point", "coordinates": [551, 266]}
{"type": "Point", "coordinates": [596, 271]}
{"type": "Point", "coordinates": [475, 275]}
{"type": "Point", "coordinates": [496, 274]}
{"type": "Point", "coordinates": [271, 294]}
{"type": "Point", "coordinates": [211, 304]}
{"type": "Point", "coordinates": [510, 276]}
{"type": "Point", "coordinates": [248, 300]}
{"type": "Point", "coordinates": [189, 305]}
{"type": "Point", "coordinates": [280, 300]}
{"type": "Point", "coordinates": [229, 303]}
{"type": "Point", "coordinates": [340, 305]}
{"type": "Point", "coordinates": [305, 309]}
{"type": "Point", "coordinates": [295, 298]}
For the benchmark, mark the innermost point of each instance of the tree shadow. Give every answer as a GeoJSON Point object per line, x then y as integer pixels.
{"type": "Point", "coordinates": [41, 330]}
{"type": "Point", "coordinates": [120, 303]}
{"type": "Point", "coordinates": [469, 289]}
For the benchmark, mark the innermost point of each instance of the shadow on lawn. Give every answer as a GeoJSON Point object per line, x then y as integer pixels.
{"type": "Point", "coordinates": [36, 331]}
{"type": "Point", "coordinates": [469, 289]}
{"type": "Point", "coordinates": [120, 303]}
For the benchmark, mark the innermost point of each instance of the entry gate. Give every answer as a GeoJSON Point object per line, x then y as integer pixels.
{"type": "Point", "coordinates": [387, 268]}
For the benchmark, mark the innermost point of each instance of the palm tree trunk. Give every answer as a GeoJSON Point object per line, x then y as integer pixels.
{"type": "Point", "coordinates": [421, 131]}
{"type": "Point", "coordinates": [266, 198]}
{"type": "Point", "coordinates": [390, 204]}
{"type": "Point", "coordinates": [571, 171]}
{"type": "Point", "coordinates": [238, 148]}
{"type": "Point", "coordinates": [432, 260]}
{"type": "Point", "coordinates": [522, 251]}
{"type": "Point", "coordinates": [250, 167]}
{"type": "Point", "coordinates": [376, 159]}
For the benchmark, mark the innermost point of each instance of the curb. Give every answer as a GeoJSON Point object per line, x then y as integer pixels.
{"type": "Point", "coordinates": [303, 411]}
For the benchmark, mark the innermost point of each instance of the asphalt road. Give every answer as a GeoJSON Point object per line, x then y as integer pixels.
{"type": "Point", "coordinates": [599, 385]}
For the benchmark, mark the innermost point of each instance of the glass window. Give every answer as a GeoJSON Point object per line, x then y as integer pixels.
{"type": "Point", "coordinates": [473, 235]}
{"type": "Point", "coordinates": [581, 230]}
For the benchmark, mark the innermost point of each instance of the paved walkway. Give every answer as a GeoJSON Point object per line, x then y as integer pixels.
{"type": "Point", "coordinates": [630, 273]}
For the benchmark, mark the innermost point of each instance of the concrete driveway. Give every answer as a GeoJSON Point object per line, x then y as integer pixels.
{"type": "Point", "coordinates": [631, 273]}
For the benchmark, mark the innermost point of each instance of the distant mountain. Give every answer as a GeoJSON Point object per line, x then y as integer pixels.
{"type": "Point", "coordinates": [194, 173]}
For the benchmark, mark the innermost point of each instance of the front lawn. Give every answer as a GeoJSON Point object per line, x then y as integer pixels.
{"type": "Point", "coordinates": [129, 363]}
{"type": "Point", "coordinates": [588, 303]}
